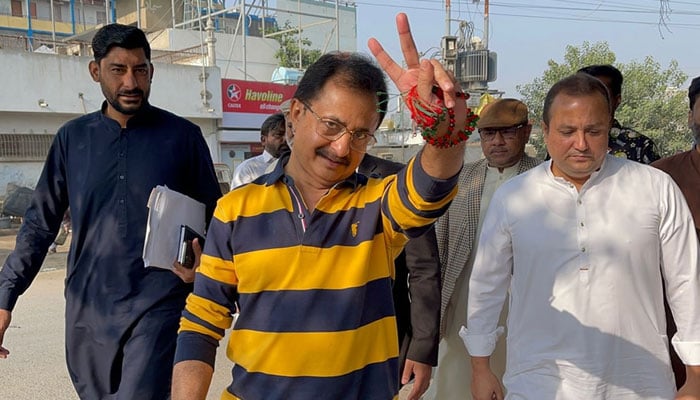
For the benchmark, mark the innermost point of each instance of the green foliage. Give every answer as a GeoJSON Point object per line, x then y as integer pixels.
{"type": "Point", "coordinates": [288, 53]}
{"type": "Point", "coordinates": [651, 101]}
{"type": "Point", "coordinates": [653, 104]}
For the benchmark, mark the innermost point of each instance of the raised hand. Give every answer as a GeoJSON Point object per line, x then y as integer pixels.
{"type": "Point", "coordinates": [425, 73]}
{"type": "Point", "coordinates": [444, 155]}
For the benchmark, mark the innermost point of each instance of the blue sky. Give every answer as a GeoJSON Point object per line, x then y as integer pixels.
{"type": "Point", "coordinates": [526, 34]}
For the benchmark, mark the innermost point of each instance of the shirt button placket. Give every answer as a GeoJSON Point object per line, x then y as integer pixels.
{"type": "Point", "coordinates": [121, 182]}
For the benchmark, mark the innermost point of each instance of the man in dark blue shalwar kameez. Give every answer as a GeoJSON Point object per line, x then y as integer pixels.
{"type": "Point", "coordinates": [121, 318]}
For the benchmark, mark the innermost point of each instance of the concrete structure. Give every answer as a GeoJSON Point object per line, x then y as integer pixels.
{"type": "Point", "coordinates": [184, 47]}
{"type": "Point", "coordinates": [45, 90]}
{"type": "Point", "coordinates": [322, 21]}
{"type": "Point", "coordinates": [28, 25]}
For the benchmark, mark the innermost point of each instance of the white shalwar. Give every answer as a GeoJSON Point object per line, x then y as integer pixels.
{"type": "Point", "coordinates": [585, 271]}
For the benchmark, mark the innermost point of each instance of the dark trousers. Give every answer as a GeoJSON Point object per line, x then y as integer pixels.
{"type": "Point", "coordinates": [134, 365]}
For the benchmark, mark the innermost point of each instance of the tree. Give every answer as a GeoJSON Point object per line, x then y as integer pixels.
{"type": "Point", "coordinates": [652, 102]}
{"type": "Point", "coordinates": [288, 53]}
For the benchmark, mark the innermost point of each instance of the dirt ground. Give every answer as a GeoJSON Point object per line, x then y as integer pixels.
{"type": "Point", "coordinates": [52, 262]}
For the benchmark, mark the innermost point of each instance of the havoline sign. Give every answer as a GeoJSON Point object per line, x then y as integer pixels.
{"type": "Point", "coordinates": [246, 104]}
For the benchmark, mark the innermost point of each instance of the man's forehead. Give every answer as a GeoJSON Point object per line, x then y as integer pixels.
{"type": "Point", "coordinates": [277, 129]}
{"type": "Point", "coordinates": [121, 52]}
{"type": "Point", "coordinates": [565, 98]}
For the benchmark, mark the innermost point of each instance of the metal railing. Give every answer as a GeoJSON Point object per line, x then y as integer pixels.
{"type": "Point", "coordinates": [24, 146]}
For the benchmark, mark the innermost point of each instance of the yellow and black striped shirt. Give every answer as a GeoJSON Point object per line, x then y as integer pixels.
{"type": "Point", "coordinates": [314, 289]}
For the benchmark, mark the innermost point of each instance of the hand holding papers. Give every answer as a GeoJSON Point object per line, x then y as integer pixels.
{"type": "Point", "coordinates": [168, 210]}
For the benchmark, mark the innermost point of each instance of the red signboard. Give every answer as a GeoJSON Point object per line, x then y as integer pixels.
{"type": "Point", "coordinates": [254, 97]}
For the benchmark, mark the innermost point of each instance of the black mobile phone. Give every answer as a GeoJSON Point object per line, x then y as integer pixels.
{"type": "Point", "coordinates": [185, 253]}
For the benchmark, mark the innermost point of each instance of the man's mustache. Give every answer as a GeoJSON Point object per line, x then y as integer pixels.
{"type": "Point", "coordinates": [340, 160]}
{"type": "Point", "coordinates": [130, 92]}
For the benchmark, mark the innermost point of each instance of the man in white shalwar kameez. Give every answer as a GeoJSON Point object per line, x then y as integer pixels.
{"type": "Point", "coordinates": [585, 243]}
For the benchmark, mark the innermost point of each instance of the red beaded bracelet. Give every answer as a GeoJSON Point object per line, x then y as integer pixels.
{"type": "Point", "coordinates": [428, 117]}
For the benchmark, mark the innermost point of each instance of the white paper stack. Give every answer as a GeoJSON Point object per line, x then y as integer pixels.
{"type": "Point", "coordinates": [167, 210]}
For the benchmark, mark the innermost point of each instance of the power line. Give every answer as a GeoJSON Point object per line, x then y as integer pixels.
{"type": "Point", "coordinates": [601, 10]}
{"type": "Point", "coordinates": [562, 17]}
{"type": "Point", "coordinates": [615, 21]}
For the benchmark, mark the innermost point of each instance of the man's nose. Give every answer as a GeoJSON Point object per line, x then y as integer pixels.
{"type": "Point", "coordinates": [341, 146]}
{"type": "Point", "coordinates": [580, 141]}
{"type": "Point", "coordinates": [129, 80]}
{"type": "Point", "coordinates": [498, 138]}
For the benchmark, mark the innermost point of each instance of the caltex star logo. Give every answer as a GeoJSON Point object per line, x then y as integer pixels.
{"type": "Point", "coordinates": [233, 92]}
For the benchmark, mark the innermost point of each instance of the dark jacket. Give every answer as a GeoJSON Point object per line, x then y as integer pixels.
{"type": "Point", "coordinates": [417, 284]}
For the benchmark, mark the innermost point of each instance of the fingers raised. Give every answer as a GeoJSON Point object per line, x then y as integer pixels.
{"type": "Point", "coordinates": [392, 69]}
{"type": "Point", "coordinates": [444, 79]}
{"type": "Point", "coordinates": [426, 80]}
{"type": "Point", "coordinates": [408, 46]}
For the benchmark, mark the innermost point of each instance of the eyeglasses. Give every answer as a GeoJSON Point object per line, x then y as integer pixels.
{"type": "Point", "coordinates": [333, 130]}
{"type": "Point", "coordinates": [488, 134]}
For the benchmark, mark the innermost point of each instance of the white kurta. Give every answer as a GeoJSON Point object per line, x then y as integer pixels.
{"type": "Point", "coordinates": [585, 276]}
{"type": "Point", "coordinates": [251, 168]}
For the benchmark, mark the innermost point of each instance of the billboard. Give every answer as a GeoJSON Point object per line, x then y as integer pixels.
{"type": "Point", "coordinates": [246, 104]}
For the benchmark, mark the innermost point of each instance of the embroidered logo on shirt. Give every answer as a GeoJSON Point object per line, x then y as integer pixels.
{"type": "Point", "coordinates": [353, 228]}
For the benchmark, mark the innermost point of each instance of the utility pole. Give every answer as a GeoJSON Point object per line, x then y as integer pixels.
{"type": "Point", "coordinates": [449, 42]}
{"type": "Point", "coordinates": [337, 26]}
{"type": "Point", "coordinates": [448, 9]}
{"type": "Point", "coordinates": [486, 24]}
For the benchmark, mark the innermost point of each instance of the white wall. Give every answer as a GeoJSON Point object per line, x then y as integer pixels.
{"type": "Point", "coordinates": [259, 52]}
{"type": "Point", "coordinates": [322, 36]}
{"type": "Point", "coordinates": [27, 77]}
{"type": "Point", "coordinates": [59, 80]}
{"type": "Point", "coordinates": [20, 173]}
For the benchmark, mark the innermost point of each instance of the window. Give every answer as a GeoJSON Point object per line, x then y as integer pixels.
{"type": "Point", "coordinates": [101, 17]}
{"type": "Point", "coordinates": [24, 147]}
{"type": "Point", "coordinates": [57, 12]}
{"type": "Point", "coordinates": [16, 8]}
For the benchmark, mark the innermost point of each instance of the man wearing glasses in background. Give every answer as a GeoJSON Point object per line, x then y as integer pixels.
{"type": "Point", "coordinates": [504, 130]}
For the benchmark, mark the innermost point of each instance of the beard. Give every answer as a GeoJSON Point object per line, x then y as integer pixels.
{"type": "Point", "coordinates": [277, 152]}
{"type": "Point", "coordinates": [130, 108]}
{"type": "Point", "coordinates": [695, 128]}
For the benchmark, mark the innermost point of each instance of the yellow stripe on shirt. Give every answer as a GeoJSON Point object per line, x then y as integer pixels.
{"type": "Point", "coordinates": [303, 267]}
{"type": "Point", "coordinates": [325, 354]}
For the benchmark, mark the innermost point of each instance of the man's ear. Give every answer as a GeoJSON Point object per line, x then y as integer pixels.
{"type": "Point", "coordinates": [295, 108]}
{"type": "Point", "coordinates": [152, 69]}
{"type": "Point", "coordinates": [690, 119]}
{"type": "Point", "coordinates": [94, 69]}
{"type": "Point", "coordinates": [545, 131]}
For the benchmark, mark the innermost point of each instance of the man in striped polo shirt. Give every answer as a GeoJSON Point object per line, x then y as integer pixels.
{"type": "Point", "coordinates": [308, 249]}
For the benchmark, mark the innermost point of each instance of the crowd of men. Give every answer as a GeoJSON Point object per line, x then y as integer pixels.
{"type": "Point", "coordinates": [352, 275]}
